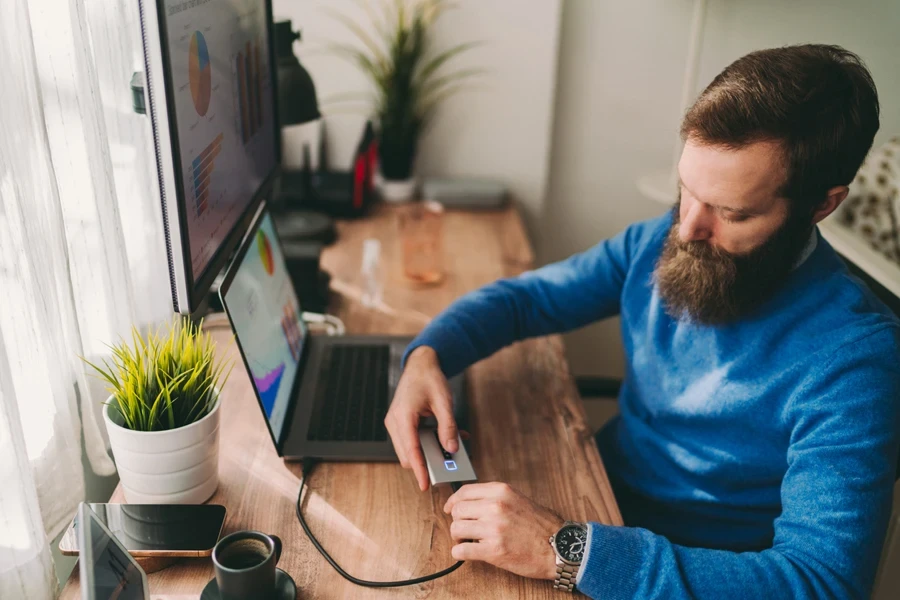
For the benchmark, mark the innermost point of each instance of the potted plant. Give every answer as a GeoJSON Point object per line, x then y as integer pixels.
{"type": "Point", "coordinates": [162, 414]}
{"type": "Point", "coordinates": [408, 80]}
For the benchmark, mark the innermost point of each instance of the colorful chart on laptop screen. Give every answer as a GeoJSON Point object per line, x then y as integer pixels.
{"type": "Point", "coordinates": [265, 252]}
{"type": "Point", "coordinates": [266, 316]}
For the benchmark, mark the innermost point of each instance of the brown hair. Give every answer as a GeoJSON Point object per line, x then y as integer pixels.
{"type": "Point", "coordinates": [818, 101]}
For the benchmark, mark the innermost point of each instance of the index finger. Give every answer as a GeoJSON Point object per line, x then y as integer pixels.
{"type": "Point", "coordinates": [394, 434]}
{"type": "Point", "coordinates": [414, 456]}
{"type": "Point", "coordinates": [470, 491]}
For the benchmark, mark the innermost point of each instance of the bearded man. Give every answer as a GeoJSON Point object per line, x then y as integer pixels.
{"type": "Point", "coordinates": [756, 447]}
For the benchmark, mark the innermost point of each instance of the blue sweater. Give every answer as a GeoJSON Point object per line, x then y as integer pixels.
{"type": "Point", "coordinates": [752, 460]}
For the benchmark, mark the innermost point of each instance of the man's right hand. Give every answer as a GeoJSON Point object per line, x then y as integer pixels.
{"type": "Point", "coordinates": [423, 391]}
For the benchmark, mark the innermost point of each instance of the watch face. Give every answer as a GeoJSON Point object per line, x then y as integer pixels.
{"type": "Point", "coordinates": [570, 543]}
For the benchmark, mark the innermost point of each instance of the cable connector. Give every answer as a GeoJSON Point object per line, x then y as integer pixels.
{"type": "Point", "coordinates": [331, 324]}
{"type": "Point", "coordinates": [309, 463]}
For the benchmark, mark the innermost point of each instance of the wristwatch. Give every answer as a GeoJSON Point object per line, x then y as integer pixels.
{"type": "Point", "coordinates": [569, 544]}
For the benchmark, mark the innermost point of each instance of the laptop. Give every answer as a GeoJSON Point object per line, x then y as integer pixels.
{"type": "Point", "coordinates": [322, 396]}
{"type": "Point", "coordinates": [106, 570]}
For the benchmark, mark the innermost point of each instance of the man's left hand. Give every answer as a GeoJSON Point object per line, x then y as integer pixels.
{"type": "Point", "coordinates": [496, 524]}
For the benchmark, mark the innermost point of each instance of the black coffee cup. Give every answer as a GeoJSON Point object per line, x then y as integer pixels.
{"type": "Point", "coordinates": [245, 565]}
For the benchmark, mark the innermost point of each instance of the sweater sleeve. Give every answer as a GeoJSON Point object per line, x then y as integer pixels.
{"type": "Point", "coordinates": [836, 503]}
{"type": "Point", "coordinates": [557, 298]}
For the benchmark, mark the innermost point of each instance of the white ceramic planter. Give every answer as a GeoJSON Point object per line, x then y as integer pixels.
{"type": "Point", "coordinates": [178, 466]}
{"type": "Point", "coordinates": [398, 191]}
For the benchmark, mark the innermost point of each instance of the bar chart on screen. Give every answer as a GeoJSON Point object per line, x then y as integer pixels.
{"type": "Point", "coordinates": [222, 92]}
{"type": "Point", "coordinates": [201, 170]}
{"type": "Point", "coordinates": [249, 68]}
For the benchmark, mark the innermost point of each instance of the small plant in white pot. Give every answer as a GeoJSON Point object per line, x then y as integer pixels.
{"type": "Point", "coordinates": [407, 78]}
{"type": "Point", "coordinates": [162, 414]}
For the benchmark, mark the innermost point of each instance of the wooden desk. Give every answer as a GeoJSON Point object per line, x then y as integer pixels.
{"type": "Point", "coordinates": [528, 430]}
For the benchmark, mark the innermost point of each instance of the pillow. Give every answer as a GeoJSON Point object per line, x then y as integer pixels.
{"type": "Point", "coordinates": [872, 209]}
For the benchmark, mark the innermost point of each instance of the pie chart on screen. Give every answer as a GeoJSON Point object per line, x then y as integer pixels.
{"type": "Point", "coordinates": [199, 72]}
{"type": "Point", "coordinates": [265, 252]}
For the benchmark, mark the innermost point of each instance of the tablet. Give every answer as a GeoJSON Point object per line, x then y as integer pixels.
{"type": "Point", "coordinates": [107, 570]}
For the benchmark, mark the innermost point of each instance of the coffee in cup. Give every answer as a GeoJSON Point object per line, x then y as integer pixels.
{"type": "Point", "coordinates": [245, 565]}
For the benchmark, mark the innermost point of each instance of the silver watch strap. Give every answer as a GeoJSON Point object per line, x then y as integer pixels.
{"type": "Point", "coordinates": [565, 576]}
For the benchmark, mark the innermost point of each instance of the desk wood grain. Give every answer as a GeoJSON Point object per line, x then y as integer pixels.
{"type": "Point", "coordinates": [528, 429]}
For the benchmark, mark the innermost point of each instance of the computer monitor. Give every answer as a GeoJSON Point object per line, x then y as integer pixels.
{"type": "Point", "coordinates": [211, 97]}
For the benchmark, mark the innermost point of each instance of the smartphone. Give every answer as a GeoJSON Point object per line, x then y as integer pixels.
{"type": "Point", "coordinates": [185, 530]}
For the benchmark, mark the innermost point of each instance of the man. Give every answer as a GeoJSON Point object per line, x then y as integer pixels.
{"type": "Point", "coordinates": [756, 448]}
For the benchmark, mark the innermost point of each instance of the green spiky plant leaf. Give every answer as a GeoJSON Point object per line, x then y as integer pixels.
{"type": "Point", "coordinates": [406, 73]}
{"type": "Point", "coordinates": [164, 381]}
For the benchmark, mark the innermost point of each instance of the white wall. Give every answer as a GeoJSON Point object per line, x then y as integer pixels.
{"type": "Point", "coordinates": [499, 129]}
{"type": "Point", "coordinates": [618, 94]}
{"type": "Point", "coordinates": [613, 104]}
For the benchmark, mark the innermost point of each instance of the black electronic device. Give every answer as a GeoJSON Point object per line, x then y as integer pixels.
{"type": "Point", "coordinates": [211, 94]}
{"type": "Point", "coordinates": [184, 530]}
{"type": "Point", "coordinates": [322, 396]}
{"type": "Point", "coordinates": [304, 226]}
{"type": "Point", "coordinates": [332, 193]}
{"type": "Point", "coordinates": [106, 570]}
{"type": "Point", "coordinates": [344, 194]}
{"type": "Point", "coordinates": [310, 282]}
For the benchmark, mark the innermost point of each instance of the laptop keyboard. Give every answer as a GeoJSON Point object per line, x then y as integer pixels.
{"type": "Point", "coordinates": [352, 395]}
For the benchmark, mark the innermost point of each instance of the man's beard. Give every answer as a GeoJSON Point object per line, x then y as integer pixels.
{"type": "Point", "coordinates": [710, 286]}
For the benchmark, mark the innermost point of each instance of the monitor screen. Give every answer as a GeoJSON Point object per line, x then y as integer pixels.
{"type": "Point", "coordinates": [108, 571]}
{"type": "Point", "coordinates": [265, 313]}
{"type": "Point", "coordinates": [222, 129]}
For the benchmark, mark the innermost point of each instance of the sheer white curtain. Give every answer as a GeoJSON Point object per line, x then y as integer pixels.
{"type": "Point", "coordinates": [82, 257]}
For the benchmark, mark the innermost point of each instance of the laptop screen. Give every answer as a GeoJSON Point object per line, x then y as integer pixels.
{"type": "Point", "coordinates": [107, 570]}
{"type": "Point", "coordinates": [265, 313]}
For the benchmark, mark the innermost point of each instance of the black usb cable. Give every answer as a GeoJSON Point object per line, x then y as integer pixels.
{"type": "Point", "coordinates": [308, 465]}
